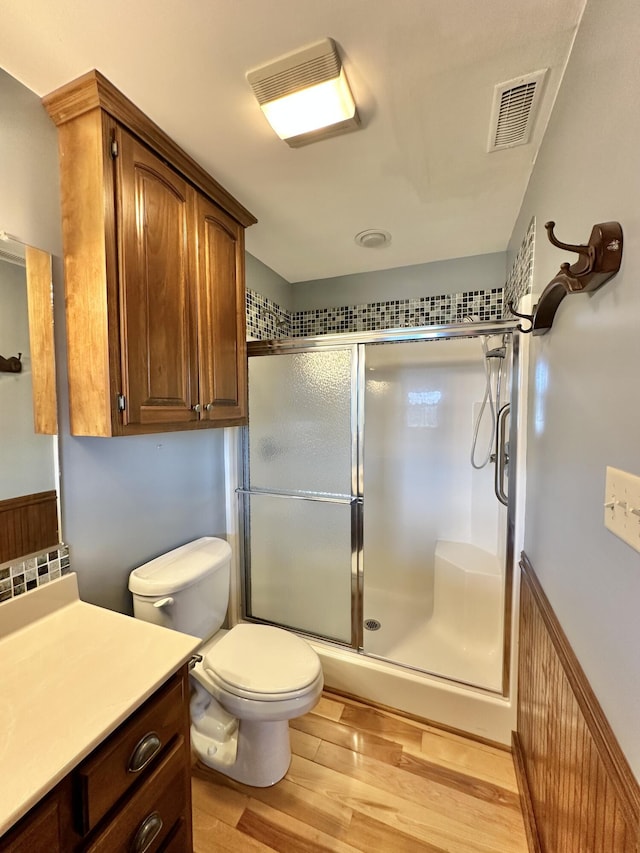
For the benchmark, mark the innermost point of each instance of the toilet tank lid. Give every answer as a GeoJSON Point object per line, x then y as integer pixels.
{"type": "Point", "coordinates": [181, 567]}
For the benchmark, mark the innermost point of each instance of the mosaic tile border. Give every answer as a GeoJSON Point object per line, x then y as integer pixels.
{"type": "Point", "coordinates": [266, 320]}
{"type": "Point", "coordinates": [520, 278]}
{"type": "Point", "coordinates": [33, 571]}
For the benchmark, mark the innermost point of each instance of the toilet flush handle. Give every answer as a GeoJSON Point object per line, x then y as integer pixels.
{"type": "Point", "coordinates": [163, 602]}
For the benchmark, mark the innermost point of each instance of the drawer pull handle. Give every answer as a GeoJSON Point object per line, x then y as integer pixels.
{"type": "Point", "coordinates": [144, 751]}
{"type": "Point", "coordinates": [147, 833]}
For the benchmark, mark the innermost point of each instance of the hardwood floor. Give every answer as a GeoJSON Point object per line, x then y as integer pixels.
{"type": "Point", "coordinates": [365, 780]}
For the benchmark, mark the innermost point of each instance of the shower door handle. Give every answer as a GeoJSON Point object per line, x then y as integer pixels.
{"type": "Point", "coordinates": [502, 454]}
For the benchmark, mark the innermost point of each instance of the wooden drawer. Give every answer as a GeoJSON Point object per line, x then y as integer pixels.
{"type": "Point", "coordinates": [149, 818]}
{"type": "Point", "coordinates": [128, 756]}
{"type": "Point", "coordinates": [179, 841]}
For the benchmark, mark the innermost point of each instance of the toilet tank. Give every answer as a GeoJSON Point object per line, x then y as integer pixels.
{"type": "Point", "coordinates": [186, 589]}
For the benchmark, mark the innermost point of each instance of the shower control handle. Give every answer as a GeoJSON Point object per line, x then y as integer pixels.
{"type": "Point", "coordinates": [502, 454]}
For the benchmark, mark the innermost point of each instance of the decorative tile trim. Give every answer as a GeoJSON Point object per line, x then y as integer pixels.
{"type": "Point", "coordinates": [32, 571]}
{"type": "Point", "coordinates": [520, 278]}
{"type": "Point", "coordinates": [266, 320]}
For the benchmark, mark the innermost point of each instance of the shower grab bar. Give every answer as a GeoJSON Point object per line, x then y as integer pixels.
{"type": "Point", "coordinates": [502, 454]}
{"type": "Point", "coordinates": [334, 499]}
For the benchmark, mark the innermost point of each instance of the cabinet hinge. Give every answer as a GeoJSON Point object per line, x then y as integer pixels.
{"type": "Point", "coordinates": [122, 402]}
{"type": "Point", "coordinates": [114, 148]}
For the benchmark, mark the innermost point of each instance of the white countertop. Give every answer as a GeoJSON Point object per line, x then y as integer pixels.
{"type": "Point", "coordinates": [70, 673]}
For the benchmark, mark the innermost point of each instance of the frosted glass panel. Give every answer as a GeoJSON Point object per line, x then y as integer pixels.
{"type": "Point", "coordinates": [301, 564]}
{"type": "Point", "coordinates": [300, 422]}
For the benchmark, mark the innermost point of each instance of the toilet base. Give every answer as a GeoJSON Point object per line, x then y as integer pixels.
{"type": "Point", "coordinates": [262, 752]}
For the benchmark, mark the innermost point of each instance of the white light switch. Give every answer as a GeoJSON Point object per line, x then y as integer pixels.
{"type": "Point", "coordinates": [622, 506]}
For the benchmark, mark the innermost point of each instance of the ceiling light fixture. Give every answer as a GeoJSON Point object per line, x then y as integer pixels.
{"type": "Point", "coordinates": [305, 95]}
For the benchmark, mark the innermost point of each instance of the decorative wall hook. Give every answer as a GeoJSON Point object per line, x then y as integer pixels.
{"type": "Point", "coordinates": [527, 317]}
{"type": "Point", "coordinates": [12, 364]}
{"type": "Point", "coordinates": [597, 262]}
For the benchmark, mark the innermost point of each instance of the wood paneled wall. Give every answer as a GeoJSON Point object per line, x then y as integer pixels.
{"type": "Point", "coordinates": [575, 780]}
{"type": "Point", "coordinates": [27, 524]}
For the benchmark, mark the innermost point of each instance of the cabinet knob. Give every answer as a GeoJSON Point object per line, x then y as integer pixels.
{"type": "Point", "coordinates": [143, 752]}
{"type": "Point", "coordinates": [197, 407]}
{"type": "Point", "coordinates": [209, 406]}
{"type": "Point", "coordinates": [147, 833]}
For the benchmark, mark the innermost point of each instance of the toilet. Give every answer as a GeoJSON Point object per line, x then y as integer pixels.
{"type": "Point", "coordinates": [248, 682]}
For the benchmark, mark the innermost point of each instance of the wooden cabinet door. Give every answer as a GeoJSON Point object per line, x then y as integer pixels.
{"type": "Point", "coordinates": [221, 314]}
{"type": "Point", "coordinates": [39, 832]}
{"type": "Point", "coordinates": [158, 345]}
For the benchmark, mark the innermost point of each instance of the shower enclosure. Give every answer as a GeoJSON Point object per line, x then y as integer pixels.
{"type": "Point", "coordinates": [377, 495]}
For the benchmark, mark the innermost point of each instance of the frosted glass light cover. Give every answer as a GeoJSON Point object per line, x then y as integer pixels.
{"type": "Point", "coordinates": [301, 564]}
{"type": "Point", "coordinates": [300, 422]}
{"type": "Point", "coordinates": [311, 108]}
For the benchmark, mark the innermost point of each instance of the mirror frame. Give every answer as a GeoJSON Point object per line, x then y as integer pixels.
{"type": "Point", "coordinates": [41, 340]}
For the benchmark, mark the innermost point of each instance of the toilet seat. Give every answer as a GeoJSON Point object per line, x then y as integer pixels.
{"type": "Point", "coordinates": [261, 662]}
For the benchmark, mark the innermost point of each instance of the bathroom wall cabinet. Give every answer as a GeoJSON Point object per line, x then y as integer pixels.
{"type": "Point", "coordinates": [154, 273]}
{"type": "Point", "coordinates": [131, 793]}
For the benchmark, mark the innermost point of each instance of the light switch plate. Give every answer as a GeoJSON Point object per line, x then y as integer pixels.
{"type": "Point", "coordinates": [622, 506]}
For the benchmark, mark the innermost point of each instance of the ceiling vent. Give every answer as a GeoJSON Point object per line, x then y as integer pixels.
{"type": "Point", "coordinates": [515, 104]}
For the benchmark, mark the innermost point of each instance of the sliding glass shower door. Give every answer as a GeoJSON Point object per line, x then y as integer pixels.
{"type": "Point", "coordinates": [299, 498]}
{"type": "Point", "coordinates": [370, 504]}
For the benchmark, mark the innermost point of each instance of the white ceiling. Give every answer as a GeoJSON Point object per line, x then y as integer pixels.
{"type": "Point", "coordinates": [422, 73]}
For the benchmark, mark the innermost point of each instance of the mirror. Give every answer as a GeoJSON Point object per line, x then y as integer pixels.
{"type": "Point", "coordinates": [29, 506]}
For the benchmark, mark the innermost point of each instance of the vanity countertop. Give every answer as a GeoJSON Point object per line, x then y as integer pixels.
{"type": "Point", "coordinates": [70, 673]}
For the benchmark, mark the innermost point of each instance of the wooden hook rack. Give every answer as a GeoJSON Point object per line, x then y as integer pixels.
{"type": "Point", "coordinates": [598, 261]}
{"type": "Point", "coordinates": [12, 364]}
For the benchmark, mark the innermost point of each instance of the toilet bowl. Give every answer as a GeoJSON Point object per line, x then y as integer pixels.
{"type": "Point", "coordinates": [249, 681]}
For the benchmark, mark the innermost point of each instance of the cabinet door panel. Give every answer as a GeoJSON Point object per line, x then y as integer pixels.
{"type": "Point", "coordinates": [158, 343]}
{"type": "Point", "coordinates": [221, 313]}
{"type": "Point", "coordinates": [37, 833]}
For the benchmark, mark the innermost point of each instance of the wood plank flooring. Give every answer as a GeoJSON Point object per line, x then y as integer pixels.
{"type": "Point", "coordinates": [362, 779]}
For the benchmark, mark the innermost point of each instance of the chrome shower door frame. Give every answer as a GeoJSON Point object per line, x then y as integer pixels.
{"type": "Point", "coordinates": [257, 348]}
{"type": "Point", "coordinates": [358, 342]}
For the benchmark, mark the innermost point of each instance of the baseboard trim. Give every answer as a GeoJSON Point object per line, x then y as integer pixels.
{"type": "Point", "coordinates": [526, 803]}
{"type": "Point", "coordinates": [337, 695]}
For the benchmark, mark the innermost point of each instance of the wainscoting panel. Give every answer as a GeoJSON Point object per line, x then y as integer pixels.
{"type": "Point", "coordinates": [27, 524]}
{"type": "Point", "coordinates": [581, 792]}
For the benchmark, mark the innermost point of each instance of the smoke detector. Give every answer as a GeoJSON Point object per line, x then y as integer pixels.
{"type": "Point", "coordinates": [515, 105]}
{"type": "Point", "coordinates": [373, 238]}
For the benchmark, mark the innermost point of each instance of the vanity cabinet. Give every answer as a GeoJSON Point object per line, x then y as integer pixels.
{"type": "Point", "coordinates": [154, 273]}
{"type": "Point", "coordinates": [132, 793]}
